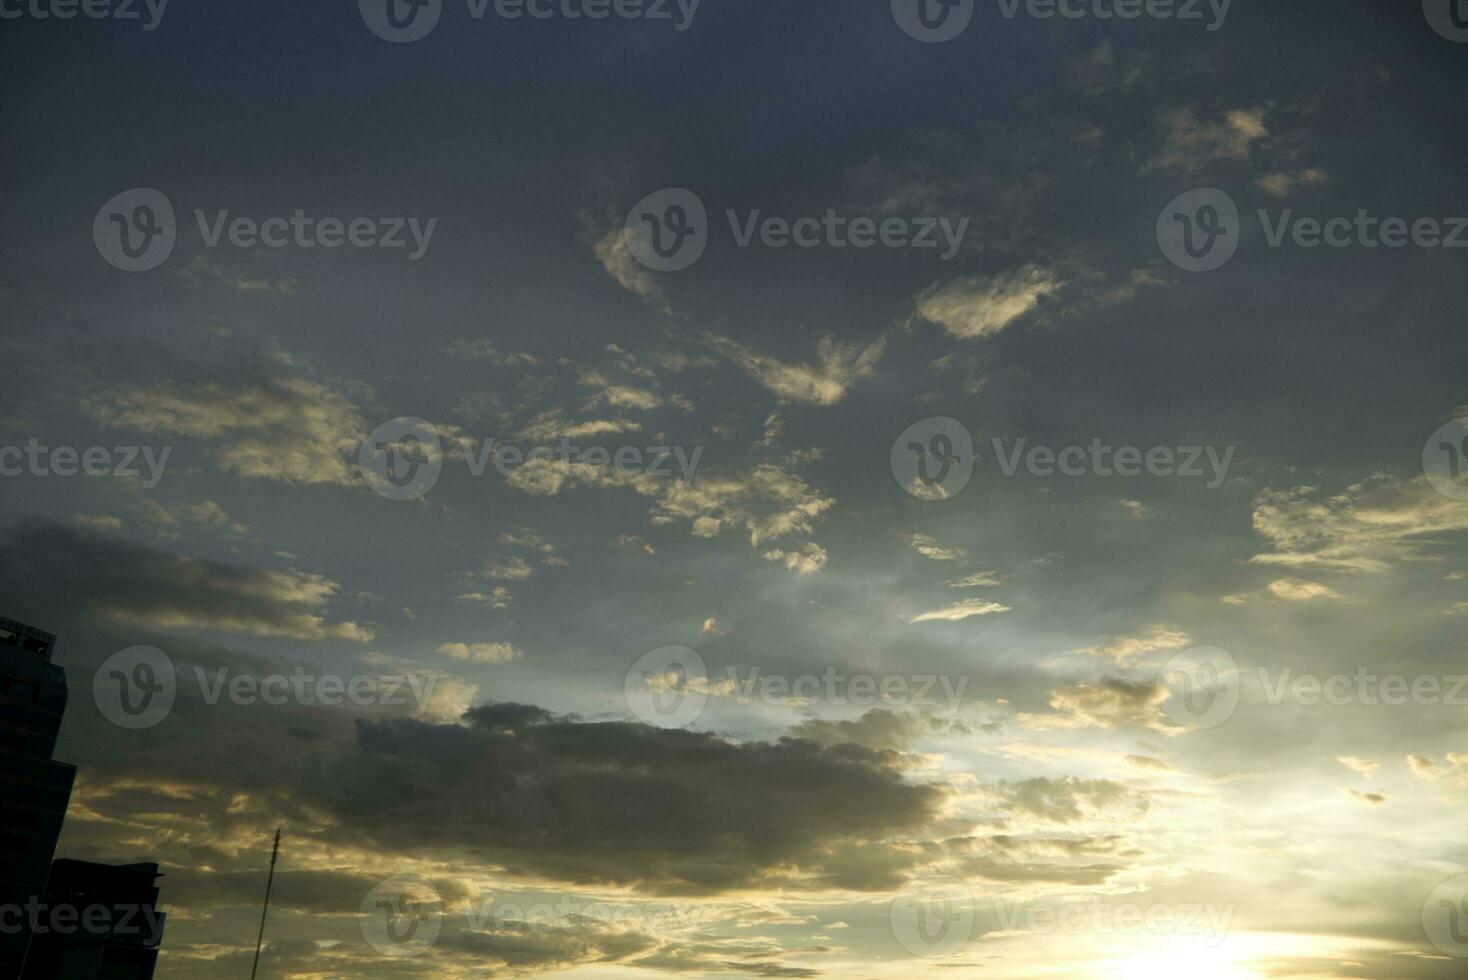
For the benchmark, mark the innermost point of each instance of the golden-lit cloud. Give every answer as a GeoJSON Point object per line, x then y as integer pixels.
{"type": "Point", "coordinates": [838, 366]}
{"type": "Point", "coordinates": [973, 308]}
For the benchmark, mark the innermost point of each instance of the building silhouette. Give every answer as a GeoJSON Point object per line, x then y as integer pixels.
{"type": "Point", "coordinates": [34, 789]}
{"type": "Point", "coordinates": [117, 926]}
{"type": "Point", "coordinates": [59, 920]}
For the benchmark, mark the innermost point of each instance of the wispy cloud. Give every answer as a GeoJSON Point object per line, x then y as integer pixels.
{"type": "Point", "coordinates": [959, 611]}
{"type": "Point", "coordinates": [480, 653]}
{"type": "Point", "coordinates": [975, 307]}
{"type": "Point", "coordinates": [1188, 145]}
{"type": "Point", "coordinates": [290, 429]}
{"type": "Point", "coordinates": [1368, 527]}
{"type": "Point", "coordinates": [838, 366]}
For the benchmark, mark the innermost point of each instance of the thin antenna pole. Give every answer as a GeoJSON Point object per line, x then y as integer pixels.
{"type": "Point", "coordinates": [269, 883]}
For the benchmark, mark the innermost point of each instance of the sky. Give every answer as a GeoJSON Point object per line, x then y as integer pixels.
{"type": "Point", "coordinates": [751, 490]}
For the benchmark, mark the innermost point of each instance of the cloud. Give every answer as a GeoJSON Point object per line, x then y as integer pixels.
{"type": "Point", "coordinates": [1068, 799]}
{"type": "Point", "coordinates": [838, 367]}
{"type": "Point", "coordinates": [512, 569]}
{"type": "Point", "coordinates": [774, 430]}
{"type": "Point", "coordinates": [484, 349]}
{"type": "Point", "coordinates": [490, 927]}
{"type": "Point", "coordinates": [528, 539]}
{"type": "Point", "coordinates": [981, 307]}
{"type": "Point", "coordinates": [767, 501]}
{"type": "Point", "coordinates": [438, 697]}
{"type": "Point", "coordinates": [205, 514]}
{"type": "Point", "coordinates": [1189, 145]}
{"type": "Point", "coordinates": [1019, 860]}
{"type": "Point", "coordinates": [1100, 70]}
{"type": "Point", "coordinates": [132, 585]}
{"type": "Point", "coordinates": [1368, 527]}
{"type": "Point", "coordinates": [617, 259]}
{"type": "Point", "coordinates": [289, 429]}
{"type": "Point", "coordinates": [929, 547]}
{"type": "Point", "coordinates": [480, 653]}
{"type": "Point", "coordinates": [594, 803]}
{"type": "Point", "coordinates": [1423, 767]}
{"type": "Point", "coordinates": [1147, 762]}
{"type": "Point", "coordinates": [880, 728]}
{"type": "Point", "coordinates": [636, 541]}
{"type": "Point", "coordinates": [201, 272]}
{"type": "Point", "coordinates": [1370, 799]}
{"type": "Point", "coordinates": [1109, 703]}
{"type": "Point", "coordinates": [810, 559]}
{"type": "Point", "coordinates": [1127, 648]}
{"type": "Point", "coordinates": [959, 611]}
{"type": "Point", "coordinates": [497, 598]}
{"type": "Point", "coordinates": [1300, 590]}
{"type": "Point", "coordinates": [978, 580]}
{"type": "Point", "coordinates": [1281, 184]}
{"type": "Point", "coordinates": [552, 426]}
{"type": "Point", "coordinates": [1453, 772]}
{"type": "Point", "coordinates": [1363, 767]}
{"type": "Point", "coordinates": [618, 395]}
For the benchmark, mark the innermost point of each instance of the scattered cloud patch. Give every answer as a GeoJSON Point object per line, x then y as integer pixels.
{"type": "Point", "coordinates": [838, 366]}
{"type": "Point", "coordinates": [480, 653]}
{"type": "Point", "coordinates": [972, 308]}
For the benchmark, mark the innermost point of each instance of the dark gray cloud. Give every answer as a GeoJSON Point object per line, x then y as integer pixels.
{"type": "Point", "coordinates": [108, 579]}
{"type": "Point", "coordinates": [670, 811]}
{"type": "Point", "coordinates": [883, 729]}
